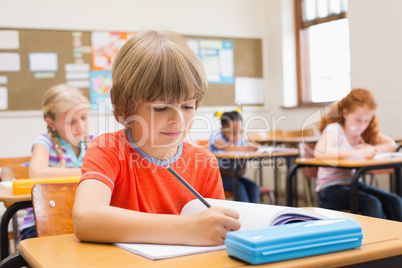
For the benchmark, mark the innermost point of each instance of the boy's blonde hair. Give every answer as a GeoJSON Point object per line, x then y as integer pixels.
{"type": "Point", "coordinates": [155, 65]}
{"type": "Point", "coordinates": [56, 100]}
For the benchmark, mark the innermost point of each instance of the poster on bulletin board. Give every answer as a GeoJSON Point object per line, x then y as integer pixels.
{"type": "Point", "coordinates": [217, 58]}
{"type": "Point", "coordinates": [105, 46]}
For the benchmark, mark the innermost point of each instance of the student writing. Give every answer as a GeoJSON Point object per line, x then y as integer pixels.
{"type": "Point", "coordinates": [59, 152]}
{"type": "Point", "coordinates": [230, 138]}
{"type": "Point", "coordinates": [348, 119]}
{"type": "Point", "coordinates": [126, 194]}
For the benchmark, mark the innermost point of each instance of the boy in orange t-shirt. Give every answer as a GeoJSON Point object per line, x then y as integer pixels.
{"type": "Point", "coordinates": [126, 193]}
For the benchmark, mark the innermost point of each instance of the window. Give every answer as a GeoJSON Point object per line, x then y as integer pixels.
{"type": "Point", "coordinates": [322, 50]}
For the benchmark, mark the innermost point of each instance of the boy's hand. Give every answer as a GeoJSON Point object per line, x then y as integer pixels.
{"type": "Point", "coordinates": [209, 227]}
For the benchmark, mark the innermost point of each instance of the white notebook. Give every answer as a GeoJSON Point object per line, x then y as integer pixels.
{"type": "Point", "coordinates": [387, 155]}
{"type": "Point", "coordinates": [252, 216]}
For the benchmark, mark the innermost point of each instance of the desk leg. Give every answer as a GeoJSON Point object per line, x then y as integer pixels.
{"type": "Point", "coordinates": [397, 180]}
{"type": "Point", "coordinates": [5, 220]}
{"type": "Point", "coordinates": [235, 181]}
{"type": "Point", "coordinates": [260, 174]}
{"type": "Point", "coordinates": [354, 198]}
{"type": "Point", "coordinates": [289, 184]}
{"type": "Point", "coordinates": [275, 181]}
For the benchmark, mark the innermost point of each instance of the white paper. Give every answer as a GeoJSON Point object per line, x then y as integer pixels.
{"type": "Point", "coordinates": [9, 39]}
{"type": "Point", "coordinates": [78, 83]}
{"type": "Point", "coordinates": [44, 75]}
{"type": "Point", "coordinates": [3, 98]}
{"type": "Point", "coordinates": [226, 62]}
{"type": "Point", "coordinates": [193, 44]}
{"type": "Point", "coordinates": [387, 155]}
{"type": "Point", "coordinates": [156, 252]}
{"type": "Point", "coordinates": [3, 79]}
{"type": "Point", "coordinates": [10, 62]}
{"type": "Point", "coordinates": [8, 184]}
{"type": "Point", "coordinates": [77, 75]}
{"type": "Point", "coordinates": [252, 216]}
{"type": "Point", "coordinates": [86, 50]}
{"type": "Point", "coordinates": [43, 62]}
{"type": "Point", "coordinates": [77, 67]}
{"type": "Point", "coordinates": [249, 90]}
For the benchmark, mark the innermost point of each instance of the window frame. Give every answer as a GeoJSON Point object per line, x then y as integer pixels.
{"type": "Point", "coordinates": [302, 52]}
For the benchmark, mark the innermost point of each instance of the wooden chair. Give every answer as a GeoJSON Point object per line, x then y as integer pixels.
{"type": "Point", "coordinates": [14, 171]}
{"type": "Point", "coordinates": [308, 132]}
{"type": "Point", "coordinates": [14, 168]}
{"type": "Point", "coordinates": [372, 175]}
{"type": "Point", "coordinates": [202, 143]}
{"type": "Point", "coordinates": [14, 160]}
{"type": "Point", "coordinates": [306, 150]}
{"type": "Point", "coordinates": [53, 206]}
{"type": "Point", "coordinates": [267, 138]}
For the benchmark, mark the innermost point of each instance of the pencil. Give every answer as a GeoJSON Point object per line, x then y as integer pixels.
{"type": "Point", "coordinates": [188, 186]}
{"type": "Point", "coordinates": [358, 136]}
{"type": "Point", "coordinates": [361, 139]}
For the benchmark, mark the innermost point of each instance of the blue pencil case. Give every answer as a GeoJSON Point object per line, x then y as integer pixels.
{"type": "Point", "coordinates": [294, 240]}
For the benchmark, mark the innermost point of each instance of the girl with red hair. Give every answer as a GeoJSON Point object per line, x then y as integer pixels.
{"type": "Point", "coordinates": [350, 131]}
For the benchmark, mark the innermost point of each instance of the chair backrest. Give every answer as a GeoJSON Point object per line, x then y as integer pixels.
{"type": "Point", "coordinates": [14, 168]}
{"type": "Point", "coordinates": [14, 160]}
{"type": "Point", "coordinates": [306, 150]}
{"type": "Point", "coordinates": [261, 136]}
{"type": "Point", "coordinates": [14, 171]}
{"type": "Point", "coordinates": [308, 132]}
{"type": "Point", "coordinates": [53, 206]}
{"type": "Point", "coordinates": [202, 143]}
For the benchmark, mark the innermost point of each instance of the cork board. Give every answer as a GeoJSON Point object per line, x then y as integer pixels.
{"type": "Point", "coordinates": [25, 89]}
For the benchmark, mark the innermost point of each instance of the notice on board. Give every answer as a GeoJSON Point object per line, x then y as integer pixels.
{"type": "Point", "coordinates": [3, 98]}
{"type": "Point", "coordinates": [10, 62]}
{"type": "Point", "coordinates": [249, 90]}
{"type": "Point", "coordinates": [9, 39]}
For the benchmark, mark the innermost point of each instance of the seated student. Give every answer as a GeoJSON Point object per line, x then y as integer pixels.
{"type": "Point", "coordinates": [126, 194]}
{"type": "Point", "coordinates": [342, 128]}
{"type": "Point", "coordinates": [230, 138]}
{"type": "Point", "coordinates": [59, 152]}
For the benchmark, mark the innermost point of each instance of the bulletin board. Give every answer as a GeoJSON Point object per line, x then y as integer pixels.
{"type": "Point", "coordinates": [25, 87]}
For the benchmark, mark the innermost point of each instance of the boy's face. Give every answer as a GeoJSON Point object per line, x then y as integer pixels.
{"type": "Point", "coordinates": [158, 127]}
{"type": "Point", "coordinates": [233, 132]}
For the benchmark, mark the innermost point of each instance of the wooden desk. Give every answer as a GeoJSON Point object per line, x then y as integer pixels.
{"type": "Point", "coordinates": [398, 139]}
{"type": "Point", "coordinates": [382, 245]}
{"type": "Point", "coordinates": [291, 141]}
{"type": "Point", "coordinates": [20, 202]}
{"type": "Point", "coordinates": [361, 166]}
{"type": "Point", "coordinates": [238, 157]}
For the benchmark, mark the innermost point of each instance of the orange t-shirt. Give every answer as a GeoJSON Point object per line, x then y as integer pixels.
{"type": "Point", "coordinates": [142, 183]}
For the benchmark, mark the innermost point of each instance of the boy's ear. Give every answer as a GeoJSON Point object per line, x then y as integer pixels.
{"type": "Point", "coordinates": [50, 122]}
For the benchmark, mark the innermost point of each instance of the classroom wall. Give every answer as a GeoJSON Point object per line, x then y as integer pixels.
{"type": "Point", "coordinates": [225, 18]}
{"type": "Point", "coordinates": [375, 52]}
{"type": "Point", "coordinates": [375, 48]}
{"type": "Point", "coordinates": [376, 56]}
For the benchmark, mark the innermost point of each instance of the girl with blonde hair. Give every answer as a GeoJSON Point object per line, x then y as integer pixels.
{"type": "Point", "coordinates": [59, 152]}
